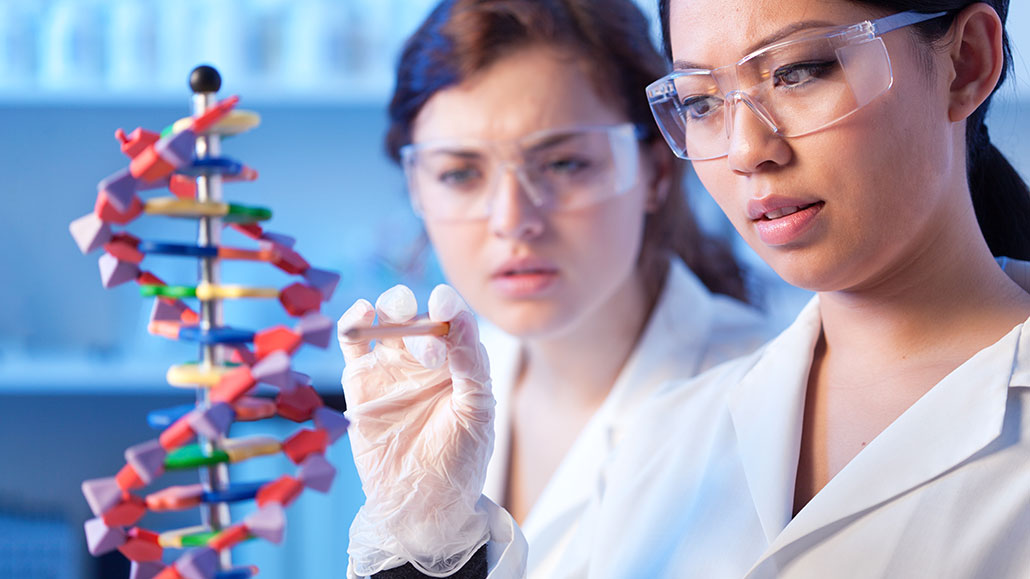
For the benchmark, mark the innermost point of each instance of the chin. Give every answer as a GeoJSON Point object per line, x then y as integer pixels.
{"type": "Point", "coordinates": [529, 321]}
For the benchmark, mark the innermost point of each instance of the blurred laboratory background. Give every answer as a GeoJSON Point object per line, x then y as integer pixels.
{"type": "Point", "coordinates": [78, 371]}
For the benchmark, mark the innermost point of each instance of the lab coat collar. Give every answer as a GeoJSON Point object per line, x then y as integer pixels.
{"type": "Point", "coordinates": [767, 419]}
{"type": "Point", "coordinates": [957, 418]}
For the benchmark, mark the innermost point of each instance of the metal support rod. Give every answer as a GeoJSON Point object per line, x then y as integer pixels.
{"type": "Point", "coordinates": [209, 188]}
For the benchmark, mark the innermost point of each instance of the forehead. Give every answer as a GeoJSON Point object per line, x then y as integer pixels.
{"type": "Point", "coordinates": [529, 90]}
{"type": "Point", "coordinates": [713, 33]}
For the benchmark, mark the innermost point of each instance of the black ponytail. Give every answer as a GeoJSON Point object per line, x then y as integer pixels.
{"type": "Point", "coordinates": [1000, 196]}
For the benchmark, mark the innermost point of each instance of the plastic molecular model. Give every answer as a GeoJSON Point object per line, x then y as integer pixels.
{"type": "Point", "coordinates": [186, 159]}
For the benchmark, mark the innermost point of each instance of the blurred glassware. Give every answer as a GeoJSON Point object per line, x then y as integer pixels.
{"type": "Point", "coordinates": [71, 45]}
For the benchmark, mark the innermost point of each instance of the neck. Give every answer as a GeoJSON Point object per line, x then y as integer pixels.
{"type": "Point", "coordinates": [946, 294]}
{"type": "Point", "coordinates": [579, 365]}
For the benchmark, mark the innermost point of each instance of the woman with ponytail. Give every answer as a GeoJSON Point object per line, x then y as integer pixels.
{"type": "Point", "coordinates": [886, 432]}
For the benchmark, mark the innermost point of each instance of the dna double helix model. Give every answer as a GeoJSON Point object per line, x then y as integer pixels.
{"type": "Point", "coordinates": [241, 375]}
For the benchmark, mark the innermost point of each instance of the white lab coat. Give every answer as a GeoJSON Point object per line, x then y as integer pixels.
{"type": "Point", "coordinates": [690, 330]}
{"type": "Point", "coordinates": [704, 484]}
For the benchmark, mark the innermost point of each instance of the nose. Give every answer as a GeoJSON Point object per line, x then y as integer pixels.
{"type": "Point", "coordinates": [512, 213]}
{"type": "Point", "coordinates": [754, 144]}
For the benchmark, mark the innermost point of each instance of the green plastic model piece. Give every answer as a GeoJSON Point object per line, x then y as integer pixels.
{"type": "Point", "coordinates": [192, 456]}
{"type": "Point", "coordinates": [246, 214]}
{"type": "Point", "coordinates": [202, 539]}
{"type": "Point", "coordinates": [168, 291]}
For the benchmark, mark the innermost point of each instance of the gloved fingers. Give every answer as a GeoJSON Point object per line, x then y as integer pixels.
{"type": "Point", "coordinates": [396, 305]}
{"type": "Point", "coordinates": [444, 304]}
{"type": "Point", "coordinates": [360, 315]}
{"type": "Point", "coordinates": [470, 370]}
{"type": "Point", "coordinates": [429, 351]}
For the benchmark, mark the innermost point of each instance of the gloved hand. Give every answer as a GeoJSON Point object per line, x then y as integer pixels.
{"type": "Point", "coordinates": [421, 430]}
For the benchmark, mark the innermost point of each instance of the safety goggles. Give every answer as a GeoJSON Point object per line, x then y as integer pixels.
{"type": "Point", "coordinates": [558, 170]}
{"type": "Point", "coordinates": [796, 87]}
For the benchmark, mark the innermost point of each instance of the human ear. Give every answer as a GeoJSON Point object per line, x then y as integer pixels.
{"type": "Point", "coordinates": [976, 58]}
{"type": "Point", "coordinates": [660, 177]}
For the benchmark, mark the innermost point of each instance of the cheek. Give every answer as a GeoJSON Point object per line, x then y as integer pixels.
{"type": "Point", "coordinates": [608, 236]}
{"type": "Point", "coordinates": [454, 245]}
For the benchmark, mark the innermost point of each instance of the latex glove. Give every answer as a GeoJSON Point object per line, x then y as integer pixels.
{"type": "Point", "coordinates": [421, 430]}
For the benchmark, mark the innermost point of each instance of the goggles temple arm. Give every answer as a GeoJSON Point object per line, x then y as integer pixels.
{"type": "Point", "coordinates": [901, 20]}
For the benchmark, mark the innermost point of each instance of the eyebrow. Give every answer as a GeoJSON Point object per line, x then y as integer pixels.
{"type": "Point", "coordinates": [770, 39]}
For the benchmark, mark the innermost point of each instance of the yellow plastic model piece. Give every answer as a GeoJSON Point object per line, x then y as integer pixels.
{"type": "Point", "coordinates": [234, 123]}
{"type": "Point", "coordinates": [240, 449]}
{"type": "Point", "coordinates": [175, 207]}
{"type": "Point", "coordinates": [190, 375]}
{"type": "Point", "coordinates": [207, 291]}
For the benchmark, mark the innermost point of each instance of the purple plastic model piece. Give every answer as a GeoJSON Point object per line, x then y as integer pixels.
{"type": "Point", "coordinates": [120, 188]}
{"type": "Point", "coordinates": [147, 459]}
{"type": "Point", "coordinates": [274, 369]}
{"type": "Point", "coordinates": [199, 563]}
{"type": "Point", "coordinates": [102, 539]}
{"type": "Point", "coordinates": [114, 272]}
{"type": "Point", "coordinates": [268, 522]}
{"type": "Point", "coordinates": [145, 569]}
{"type": "Point", "coordinates": [90, 232]}
{"type": "Point", "coordinates": [332, 422]}
{"type": "Point", "coordinates": [101, 494]}
{"type": "Point", "coordinates": [324, 281]}
{"type": "Point", "coordinates": [316, 473]}
{"type": "Point", "coordinates": [212, 422]}
{"type": "Point", "coordinates": [315, 329]}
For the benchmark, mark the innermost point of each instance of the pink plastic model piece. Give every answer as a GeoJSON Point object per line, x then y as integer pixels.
{"type": "Point", "coordinates": [175, 498]}
{"type": "Point", "coordinates": [299, 299]}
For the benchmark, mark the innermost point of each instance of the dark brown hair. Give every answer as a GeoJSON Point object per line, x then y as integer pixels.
{"type": "Point", "coordinates": [463, 37]}
{"type": "Point", "coordinates": [1000, 196]}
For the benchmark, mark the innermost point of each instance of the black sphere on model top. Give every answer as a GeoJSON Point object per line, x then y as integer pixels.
{"type": "Point", "coordinates": [205, 78]}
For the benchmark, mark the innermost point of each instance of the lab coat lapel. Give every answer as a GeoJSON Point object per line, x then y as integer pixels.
{"type": "Point", "coordinates": [958, 417]}
{"type": "Point", "coordinates": [767, 408]}
{"type": "Point", "coordinates": [677, 331]}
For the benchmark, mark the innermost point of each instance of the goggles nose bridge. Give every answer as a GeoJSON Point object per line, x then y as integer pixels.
{"type": "Point", "coordinates": [518, 169]}
{"type": "Point", "coordinates": [733, 98]}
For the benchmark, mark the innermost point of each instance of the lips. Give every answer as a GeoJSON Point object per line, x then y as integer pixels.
{"type": "Point", "coordinates": [775, 207]}
{"type": "Point", "coordinates": [782, 220]}
{"type": "Point", "coordinates": [524, 277]}
{"type": "Point", "coordinates": [784, 211]}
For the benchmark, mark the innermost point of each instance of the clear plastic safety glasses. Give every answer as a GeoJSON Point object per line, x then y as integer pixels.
{"type": "Point", "coordinates": [558, 169]}
{"type": "Point", "coordinates": [795, 87]}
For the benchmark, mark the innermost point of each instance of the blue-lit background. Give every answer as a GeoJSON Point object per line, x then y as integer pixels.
{"type": "Point", "coordinates": [78, 372]}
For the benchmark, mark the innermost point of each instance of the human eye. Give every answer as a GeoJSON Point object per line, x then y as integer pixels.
{"type": "Point", "coordinates": [700, 107]}
{"type": "Point", "coordinates": [462, 177]}
{"type": "Point", "coordinates": [567, 165]}
{"type": "Point", "coordinates": [801, 73]}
